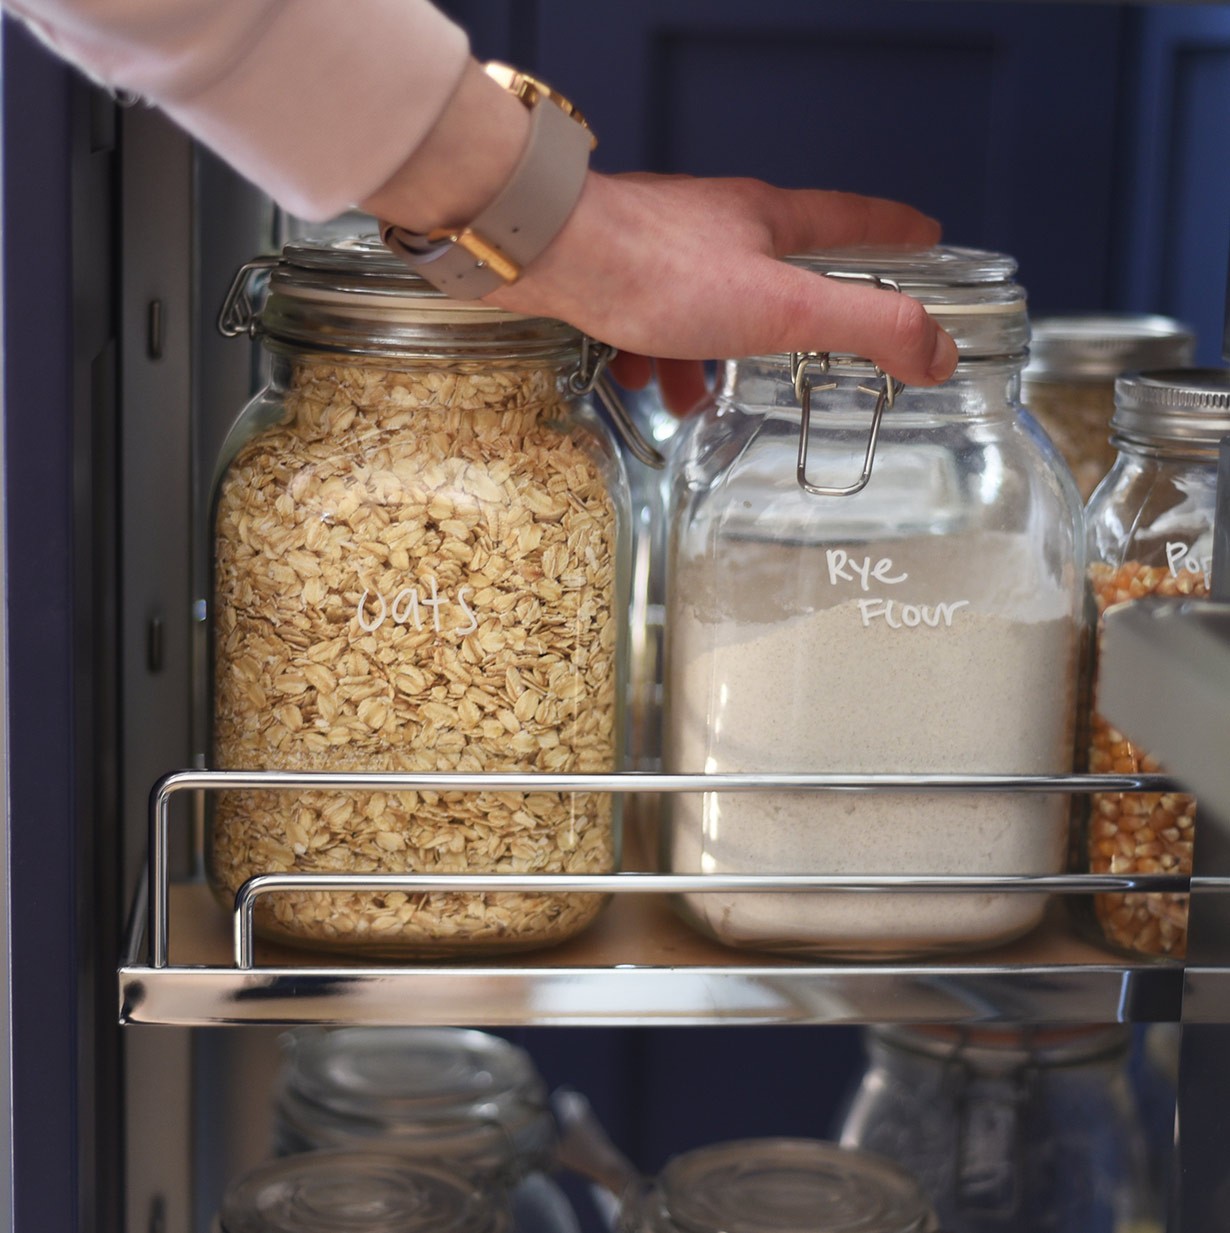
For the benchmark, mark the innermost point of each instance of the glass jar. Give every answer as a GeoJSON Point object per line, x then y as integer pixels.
{"type": "Point", "coordinates": [466, 1099]}
{"type": "Point", "coordinates": [778, 1186]}
{"type": "Point", "coordinates": [927, 621]}
{"type": "Point", "coordinates": [649, 495]}
{"type": "Point", "coordinates": [1069, 382]}
{"type": "Point", "coordinates": [359, 1192]}
{"type": "Point", "coordinates": [1010, 1130]}
{"type": "Point", "coordinates": [420, 564]}
{"type": "Point", "coordinates": [1150, 528]}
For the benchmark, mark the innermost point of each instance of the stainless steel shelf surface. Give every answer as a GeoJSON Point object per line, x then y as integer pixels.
{"type": "Point", "coordinates": [189, 963]}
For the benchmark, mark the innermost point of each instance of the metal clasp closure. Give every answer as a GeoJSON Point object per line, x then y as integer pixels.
{"type": "Point", "coordinates": [589, 377]}
{"type": "Point", "coordinates": [238, 314]}
{"type": "Point", "coordinates": [885, 396]}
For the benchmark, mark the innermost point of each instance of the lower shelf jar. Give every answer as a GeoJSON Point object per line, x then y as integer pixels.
{"type": "Point", "coordinates": [361, 1192]}
{"type": "Point", "coordinates": [778, 1186]}
{"type": "Point", "coordinates": [469, 1100]}
{"type": "Point", "coordinates": [1010, 1130]}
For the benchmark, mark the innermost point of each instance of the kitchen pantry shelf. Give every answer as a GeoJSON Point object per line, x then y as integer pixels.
{"type": "Point", "coordinates": [639, 964]}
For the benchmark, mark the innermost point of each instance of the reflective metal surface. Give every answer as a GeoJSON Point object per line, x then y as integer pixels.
{"type": "Point", "coordinates": [639, 964]}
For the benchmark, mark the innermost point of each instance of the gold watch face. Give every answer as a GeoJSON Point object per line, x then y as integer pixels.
{"type": "Point", "coordinates": [530, 90]}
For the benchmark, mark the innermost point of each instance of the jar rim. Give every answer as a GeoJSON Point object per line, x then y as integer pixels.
{"type": "Point", "coordinates": [1173, 406]}
{"type": "Point", "coordinates": [451, 1093]}
{"type": "Point", "coordinates": [379, 1192]}
{"type": "Point", "coordinates": [973, 293]}
{"type": "Point", "coordinates": [351, 294]}
{"type": "Point", "coordinates": [764, 1185]}
{"type": "Point", "coordinates": [1101, 346]}
{"type": "Point", "coordinates": [1008, 1046]}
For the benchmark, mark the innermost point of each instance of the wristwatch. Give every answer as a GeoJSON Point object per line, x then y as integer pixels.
{"type": "Point", "coordinates": [530, 210]}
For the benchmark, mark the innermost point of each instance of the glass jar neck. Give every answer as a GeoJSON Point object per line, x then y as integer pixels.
{"type": "Point", "coordinates": [1163, 450]}
{"type": "Point", "coordinates": [979, 388]}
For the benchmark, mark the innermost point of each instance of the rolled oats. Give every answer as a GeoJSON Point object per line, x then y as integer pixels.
{"type": "Point", "coordinates": [415, 571]}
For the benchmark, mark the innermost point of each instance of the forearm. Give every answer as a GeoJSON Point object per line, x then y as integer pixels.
{"type": "Point", "coordinates": [317, 102]}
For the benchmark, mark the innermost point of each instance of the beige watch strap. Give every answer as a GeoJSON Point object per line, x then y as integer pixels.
{"type": "Point", "coordinates": [528, 214]}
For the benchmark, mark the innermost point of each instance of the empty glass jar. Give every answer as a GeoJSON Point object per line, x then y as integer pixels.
{"type": "Point", "coordinates": [420, 564]}
{"type": "Point", "coordinates": [778, 1186]}
{"type": "Point", "coordinates": [924, 618]}
{"type": "Point", "coordinates": [359, 1192]}
{"type": "Point", "coordinates": [1010, 1130]}
{"type": "Point", "coordinates": [466, 1099]}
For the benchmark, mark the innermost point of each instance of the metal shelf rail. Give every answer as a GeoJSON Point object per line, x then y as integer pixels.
{"type": "Point", "coordinates": [638, 964]}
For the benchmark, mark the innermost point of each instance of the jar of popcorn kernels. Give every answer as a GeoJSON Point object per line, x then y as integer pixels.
{"type": "Point", "coordinates": [1150, 532]}
{"type": "Point", "coordinates": [420, 564]}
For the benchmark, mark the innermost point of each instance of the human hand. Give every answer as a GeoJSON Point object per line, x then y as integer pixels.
{"type": "Point", "coordinates": [686, 269]}
{"type": "Point", "coordinates": [673, 267]}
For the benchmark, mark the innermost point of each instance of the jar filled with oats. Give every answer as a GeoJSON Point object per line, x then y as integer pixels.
{"type": "Point", "coordinates": [1150, 529]}
{"type": "Point", "coordinates": [1069, 383]}
{"type": "Point", "coordinates": [420, 564]}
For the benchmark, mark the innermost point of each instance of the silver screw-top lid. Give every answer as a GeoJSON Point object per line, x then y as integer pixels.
{"type": "Point", "coordinates": [1176, 406]}
{"type": "Point", "coordinates": [782, 1186]}
{"type": "Point", "coordinates": [456, 1095]}
{"type": "Point", "coordinates": [1100, 346]}
{"type": "Point", "coordinates": [359, 1192]}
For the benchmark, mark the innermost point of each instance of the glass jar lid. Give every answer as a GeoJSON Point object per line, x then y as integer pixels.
{"type": "Point", "coordinates": [351, 294]}
{"type": "Point", "coordinates": [996, 1048]}
{"type": "Point", "coordinates": [1175, 406]}
{"type": "Point", "coordinates": [784, 1186]}
{"type": "Point", "coordinates": [461, 1096]}
{"type": "Point", "coordinates": [1100, 346]}
{"type": "Point", "coordinates": [973, 294]}
{"type": "Point", "coordinates": [358, 1192]}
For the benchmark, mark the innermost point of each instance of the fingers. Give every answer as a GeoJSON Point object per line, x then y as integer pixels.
{"type": "Point", "coordinates": [801, 220]}
{"type": "Point", "coordinates": [803, 311]}
{"type": "Point", "coordinates": [632, 371]}
{"type": "Point", "coordinates": [684, 269]}
{"type": "Point", "coordinates": [683, 385]}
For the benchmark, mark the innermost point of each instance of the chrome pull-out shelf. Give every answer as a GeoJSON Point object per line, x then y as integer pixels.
{"type": "Point", "coordinates": [188, 964]}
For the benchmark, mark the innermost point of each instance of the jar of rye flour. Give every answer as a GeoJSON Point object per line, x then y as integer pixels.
{"type": "Point", "coordinates": [420, 564]}
{"type": "Point", "coordinates": [922, 618]}
{"type": "Point", "coordinates": [1150, 527]}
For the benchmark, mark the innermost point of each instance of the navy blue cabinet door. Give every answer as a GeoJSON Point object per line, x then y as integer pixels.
{"type": "Point", "coordinates": [1091, 141]}
{"type": "Point", "coordinates": [998, 119]}
{"type": "Point", "coordinates": [1175, 200]}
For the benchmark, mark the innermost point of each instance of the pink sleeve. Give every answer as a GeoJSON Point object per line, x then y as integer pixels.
{"type": "Point", "coordinates": [316, 101]}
